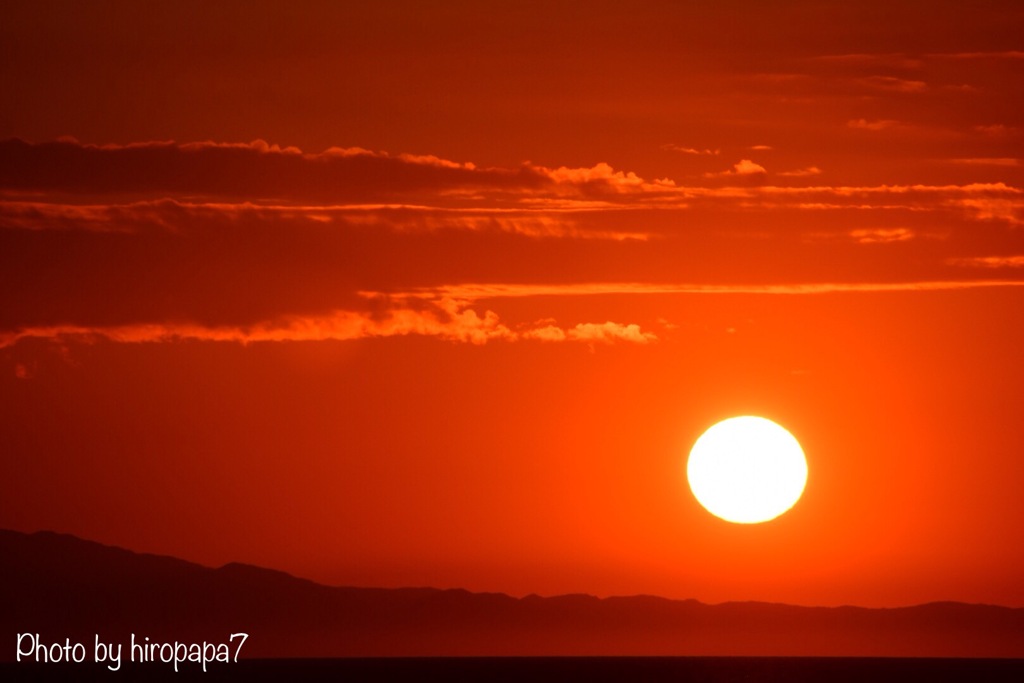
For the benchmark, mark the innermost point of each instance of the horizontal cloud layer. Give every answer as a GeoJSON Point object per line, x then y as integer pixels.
{"type": "Point", "coordinates": [445, 318]}
{"type": "Point", "coordinates": [255, 242]}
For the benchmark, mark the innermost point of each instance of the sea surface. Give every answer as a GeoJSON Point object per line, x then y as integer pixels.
{"type": "Point", "coordinates": [541, 669]}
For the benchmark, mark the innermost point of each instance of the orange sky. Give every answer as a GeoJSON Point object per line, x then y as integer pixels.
{"type": "Point", "coordinates": [395, 295]}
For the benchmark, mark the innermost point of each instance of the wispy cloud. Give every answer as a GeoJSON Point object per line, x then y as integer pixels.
{"type": "Point", "coordinates": [260, 173]}
{"type": "Point", "coordinates": [252, 171]}
{"type": "Point", "coordinates": [881, 235]}
{"type": "Point", "coordinates": [989, 189]}
{"type": "Point", "coordinates": [1004, 54]}
{"type": "Point", "coordinates": [480, 291]}
{"type": "Point", "coordinates": [988, 261]}
{"type": "Point", "coordinates": [444, 318]}
{"type": "Point", "coordinates": [211, 265]}
{"type": "Point", "coordinates": [992, 208]}
{"type": "Point", "coordinates": [172, 215]}
{"type": "Point", "coordinates": [256, 177]}
{"type": "Point", "coordinates": [869, 236]}
{"type": "Point", "coordinates": [892, 59]}
{"type": "Point", "coordinates": [801, 172]}
{"type": "Point", "coordinates": [876, 125]}
{"type": "Point", "coordinates": [893, 84]}
{"type": "Point", "coordinates": [447, 313]}
{"type": "Point", "coordinates": [1006, 162]}
{"type": "Point", "coordinates": [744, 167]}
{"type": "Point", "coordinates": [997, 129]}
{"type": "Point", "coordinates": [601, 178]}
{"type": "Point", "coordinates": [691, 150]}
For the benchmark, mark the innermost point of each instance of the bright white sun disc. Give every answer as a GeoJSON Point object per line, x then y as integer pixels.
{"type": "Point", "coordinates": [747, 470]}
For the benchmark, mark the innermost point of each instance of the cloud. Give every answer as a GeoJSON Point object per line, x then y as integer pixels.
{"type": "Point", "coordinates": [174, 216]}
{"type": "Point", "coordinates": [416, 192]}
{"type": "Point", "coordinates": [996, 129]}
{"type": "Point", "coordinates": [990, 208]}
{"type": "Point", "coordinates": [601, 179]}
{"type": "Point", "coordinates": [1006, 162]}
{"type": "Point", "coordinates": [988, 189]}
{"type": "Point", "coordinates": [591, 333]}
{"type": "Point", "coordinates": [745, 167]}
{"type": "Point", "coordinates": [880, 124]}
{"type": "Point", "coordinates": [1005, 54]}
{"type": "Point", "coordinates": [748, 167]}
{"type": "Point", "coordinates": [988, 262]}
{"type": "Point", "coordinates": [454, 320]}
{"type": "Point", "coordinates": [268, 174]}
{"type": "Point", "coordinates": [893, 84]}
{"type": "Point", "coordinates": [482, 291]}
{"type": "Point", "coordinates": [892, 59]}
{"type": "Point", "coordinates": [881, 235]}
{"type": "Point", "coordinates": [691, 150]}
{"type": "Point", "coordinates": [547, 333]}
{"type": "Point", "coordinates": [876, 235]}
{"type": "Point", "coordinates": [802, 172]}
{"type": "Point", "coordinates": [981, 201]}
{"type": "Point", "coordinates": [160, 265]}
{"type": "Point", "coordinates": [253, 171]}
{"type": "Point", "coordinates": [609, 332]}
{"type": "Point", "coordinates": [20, 215]}
{"type": "Point", "coordinates": [444, 318]}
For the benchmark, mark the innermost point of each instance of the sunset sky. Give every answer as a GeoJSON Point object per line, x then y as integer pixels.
{"type": "Point", "coordinates": [441, 294]}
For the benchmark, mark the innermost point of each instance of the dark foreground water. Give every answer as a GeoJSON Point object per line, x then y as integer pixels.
{"type": "Point", "coordinates": [541, 669]}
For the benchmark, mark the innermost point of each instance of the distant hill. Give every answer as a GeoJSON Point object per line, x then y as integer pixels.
{"type": "Point", "coordinates": [61, 586]}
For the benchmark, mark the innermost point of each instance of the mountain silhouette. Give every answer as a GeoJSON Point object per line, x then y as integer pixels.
{"type": "Point", "coordinates": [60, 586]}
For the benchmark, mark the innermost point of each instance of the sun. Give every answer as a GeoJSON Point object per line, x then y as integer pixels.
{"type": "Point", "coordinates": [747, 470]}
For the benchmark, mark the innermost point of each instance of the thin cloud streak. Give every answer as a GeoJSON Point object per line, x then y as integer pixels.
{"type": "Point", "coordinates": [988, 161]}
{"type": "Point", "coordinates": [172, 215]}
{"type": "Point", "coordinates": [536, 217]}
{"type": "Point", "coordinates": [881, 235]}
{"type": "Point", "coordinates": [1005, 54]}
{"type": "Point", "coordinates": [802, 172]}
{"type": "Point", "coordinates": [988, 262]}
{"type": "Point", "coordinates": [447, 319]}
{"type": "Point", "coordinates": [876, 125]}
{"type": "Point", "coordinates": [691, 150]}
{"type": "Point", "coordinates": [477, 292]}
{"type": "Point", "coordinates": [446, 314]}
{"type": "Point", "coordinates": [893, 59]}
{"type": "Point", "coordinates": [893, 84]}
{"type": "Point", "coordinates": [270, 174]}
{"type": "Point", "coordinates": [257, 177]}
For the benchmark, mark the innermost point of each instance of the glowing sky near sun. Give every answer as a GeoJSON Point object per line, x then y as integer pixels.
{"type": "Point", "coordinates": [392, 294]}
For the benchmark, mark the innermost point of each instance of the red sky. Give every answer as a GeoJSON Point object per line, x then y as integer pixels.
{"type": "Point", "coordinates": [396, 294]}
